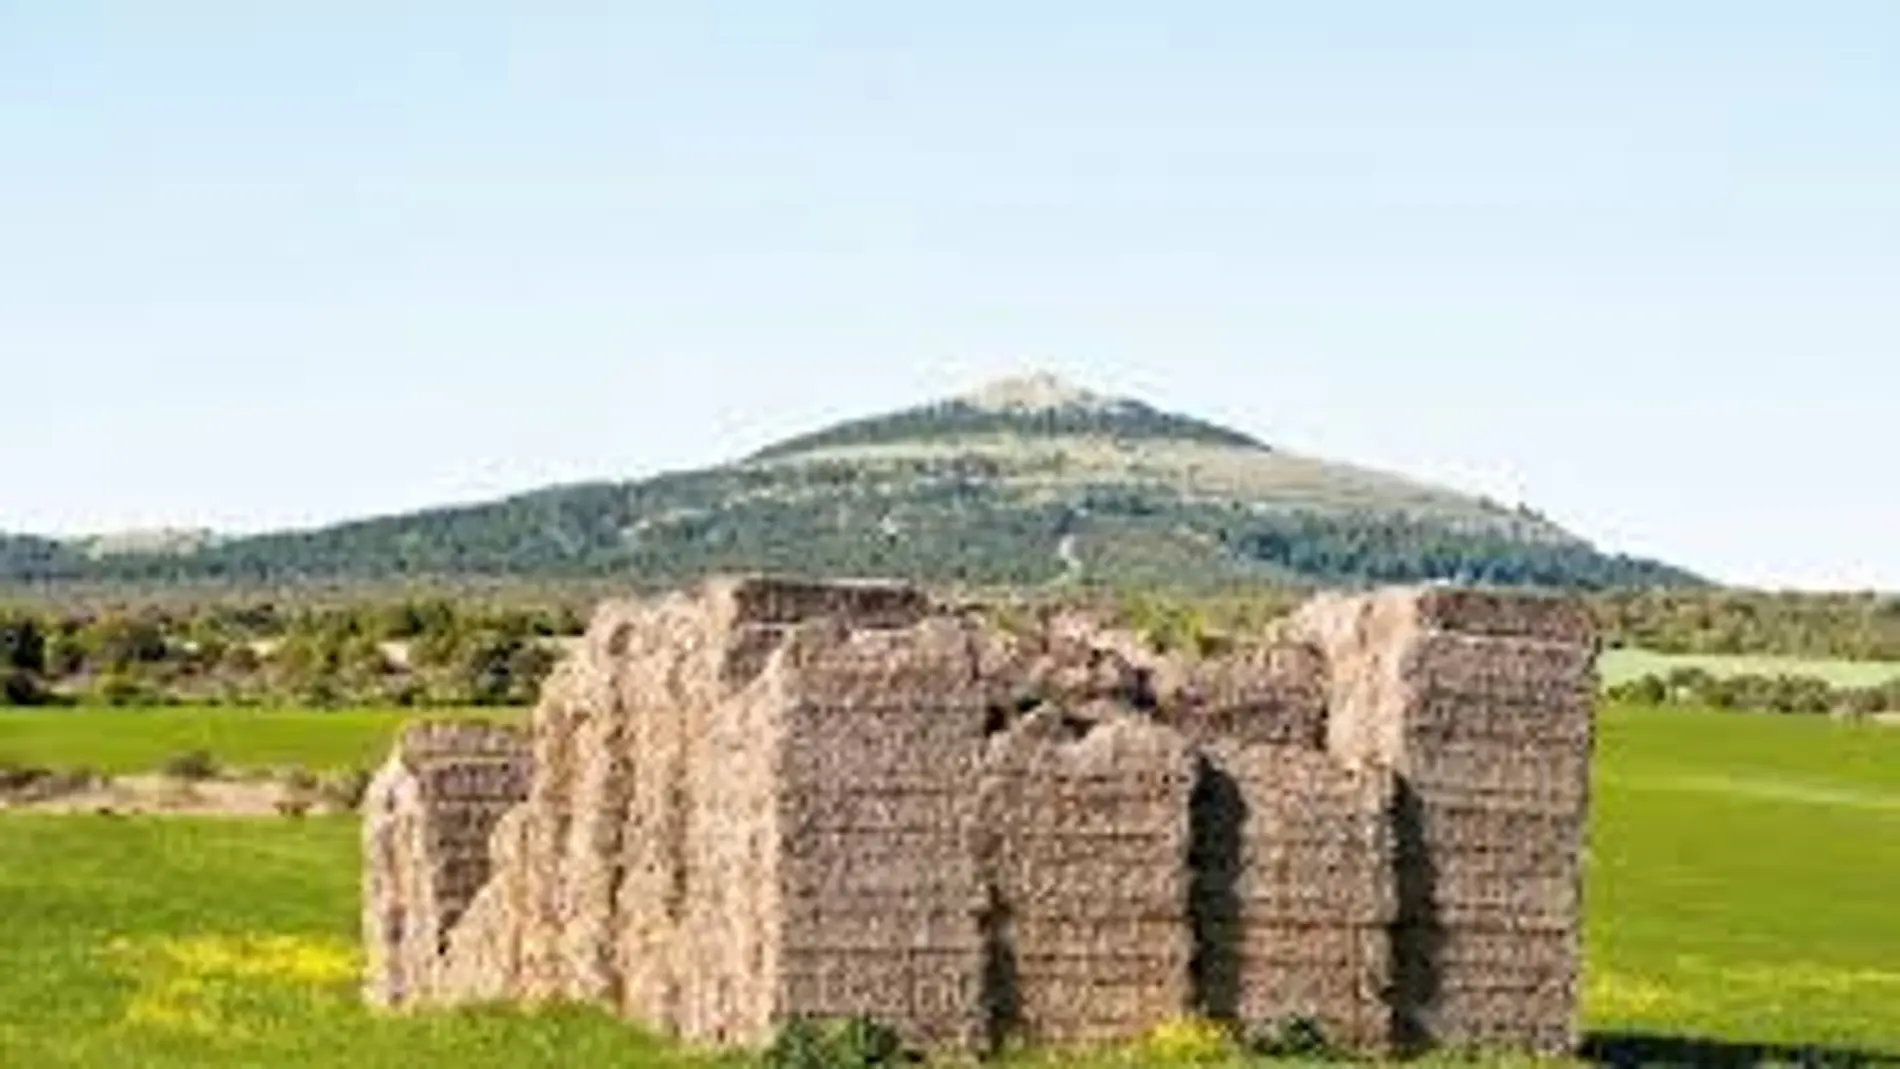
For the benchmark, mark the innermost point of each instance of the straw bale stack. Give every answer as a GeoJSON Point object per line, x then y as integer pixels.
{"type": "Point", "coordinates": [738, 708]}
{"type": "Point", "coordinates": [428, 815]}
{"type": "Point", "coordinates": [1084, 836]}
{"type": "Point", "coordinates": [1482, 703]}
{"type": "Point", "coordinates": [880, 896]}
{"type": "Point", "coordinates": [767, 799]}
{"type": "Point", "coordinates": [1295, 890]}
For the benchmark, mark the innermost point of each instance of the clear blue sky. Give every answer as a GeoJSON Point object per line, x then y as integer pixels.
{"type": "Point", "coordinates": [1636, 263]}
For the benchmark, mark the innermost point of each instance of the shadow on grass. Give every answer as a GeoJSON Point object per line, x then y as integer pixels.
{"type": "Point", "coordinates": [1641, 1049]}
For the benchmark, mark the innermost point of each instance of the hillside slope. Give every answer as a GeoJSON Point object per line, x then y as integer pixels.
{"type": "Point", "coordinates": [1029, 481]}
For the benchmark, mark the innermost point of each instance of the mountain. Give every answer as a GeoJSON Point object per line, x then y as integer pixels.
{"type": "Point", "coordinates": [1027, 481]}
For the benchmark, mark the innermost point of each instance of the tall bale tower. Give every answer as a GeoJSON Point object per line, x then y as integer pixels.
{"type": "Point", "coordinates": [1483, 706]}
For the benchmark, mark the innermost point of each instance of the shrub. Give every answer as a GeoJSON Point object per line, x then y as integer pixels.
{"type": "Point", "coordinates": [117, 642]}
{"type": "Point", "coordinates": [191, 765]}
{"type": "Point", "coordinates": [119, 689]}
{"type": "Point", "coordinates": [861, 1041]}
{"type": "Point", "coordinates": [65, 654]}
{"type": "Point", "coordinates": [798, 1044]}
{"type": "Point", "coordinates": [21, 687]}
{"type": "Point", "coordinates": [1645, 690]}
{"type": "Point", "coordinates": [19, 777]}
{"type": "Point", "coordinates": [22, 644]}
{"type": "Point", "coordinates": [1290, 1037]}
{"type": "Point", "coordinates": [345, 791]}
{"type": "Point", "coordinates": [319, 693]}
{"type": "Point", "coordinates": [34, 781]}
{"type": "Point", "coordinates": [76, 778]}
{"type": "Point", "coordinates": [401, 691]}
{"type": "Point", "coordinates": [241, 658]}
{"type": "Point", "coordinates": [853, 1043]}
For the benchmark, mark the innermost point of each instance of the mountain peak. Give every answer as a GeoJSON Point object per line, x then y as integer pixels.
{"type": "Point", "coordinates": [1038, 392]}
{"type": "Point", "coordinates": [1037, 406]}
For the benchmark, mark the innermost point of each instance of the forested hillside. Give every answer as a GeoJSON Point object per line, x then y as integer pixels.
{"type": "Point", "coordinates": [26, 558]}
{"type": "Point", "coordinates": [952, 531]}
{"type": "Point", "coordinates": [1065, 488]}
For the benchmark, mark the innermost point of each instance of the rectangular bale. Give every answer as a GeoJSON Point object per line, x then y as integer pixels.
{"type": "Point", "coordinates": [1506, 615]}
{"type": "Point", "coordinates": [1294, 890]}
{"type": "Point", "coordinates": [1092, 828]}
{"type": "Point", "coordinates": [858, 604]}
{"type": "Point", "coordinates": [1274, 694]}
{"type": "Point", "coordinates": [878, 889]}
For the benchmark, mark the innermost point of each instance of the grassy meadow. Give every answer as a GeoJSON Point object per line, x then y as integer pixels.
{"type": "Point", "coordinates": [1744, 887]}
{"type": "Point", "coordinates": [1744, 878]}
{"type": "Point", "coordinates": [1623, 665]}
{"type": "Point", "coordinates": [124, 740]}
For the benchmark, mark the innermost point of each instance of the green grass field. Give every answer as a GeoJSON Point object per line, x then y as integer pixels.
{"type": "Point", "coordinates": [1744, 887]}
{"type": "Point", "coordinates": [1745, 878]}
{"type": "Point", "coordinates": [140, 740]}
{"type": "Point", "coordinates": [1620, 666]}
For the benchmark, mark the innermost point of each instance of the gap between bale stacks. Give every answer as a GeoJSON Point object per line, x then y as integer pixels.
{"type": "Point", "coordinates": [766, 799]}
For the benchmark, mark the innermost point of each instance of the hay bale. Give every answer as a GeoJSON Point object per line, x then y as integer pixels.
{"type": "Point", "coordinates": [1085, 839]}
{"type": "Point", "coordinates": [428, 815]}
{"type": "Point", "coordinates": [857, 604]}
{"type": "Point", "coordinates": [1500, 614]}
{"type": "Point", "coordinates": [1295, 891]}
{"type": "Point", "coordinates": [1271, 694]}
{"type": "Point", "coordinates": [1483, 704]}
{"type": "Point", "coordinates": [879, 890]}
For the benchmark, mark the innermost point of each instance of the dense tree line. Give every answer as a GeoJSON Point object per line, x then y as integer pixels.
{"type": "Point", "coordinates": [431, 652]}
{"type": "Point", "coordinates": [479, 643]}
{"type": "Point", "coordinates": [1853, 626]}
{"type": "Point", "coordinates": [1388, 549]}
{"type": "Point", "coordinates": [24, 558]}
{"type": "Point", "coordinates": [1700, 689]}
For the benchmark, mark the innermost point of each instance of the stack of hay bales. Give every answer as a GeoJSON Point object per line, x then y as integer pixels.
{"type": "Point", "coordinates": [879, 897]}
{"type": "Point", "coordinates": [641, 869]}
{"type": "Point", "coordinates": [766, 800]}
{"type": "Point", "coordinates": [708, 692]}
{"type": "Point", "coordinates": [1085, 841]}
{"type": "Point", "coordinates": [428, 815]}
{"type": "Point", "coordinates": [1295, 892]}
{"type": "Point", "coordinates": [1293, 858]}
{"type": "Point", "coordinates": [1483, 705]}
{"type": "Point", "coordinates": [665, 677]}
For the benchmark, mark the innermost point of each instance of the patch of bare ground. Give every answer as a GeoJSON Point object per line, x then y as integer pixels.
{"type": "Point", "coordinates": [160, 795]}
